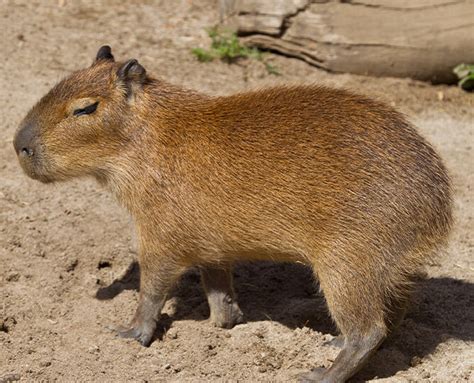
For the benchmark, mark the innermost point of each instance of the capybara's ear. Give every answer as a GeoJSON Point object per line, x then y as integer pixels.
{"type": "Point", "coordinates": [131, 75]}
{"type": "Point", "coordinates": [132, 71]}
{"type": "Point", "coordinates": [104, 53]}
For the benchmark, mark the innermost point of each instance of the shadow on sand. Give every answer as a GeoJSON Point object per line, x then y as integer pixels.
{"type": "Point", "coordinates": [441, 309]}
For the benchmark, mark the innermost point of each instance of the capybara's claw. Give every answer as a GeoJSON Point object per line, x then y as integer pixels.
{"type": "Point", "coordinates": [228, 317]}
{"type": "Point", "coordinates": [128, 333]}
{"type": "Point", "coordinates": [142, 334]}
{"type": "Point", "coordinates": [145, 339]}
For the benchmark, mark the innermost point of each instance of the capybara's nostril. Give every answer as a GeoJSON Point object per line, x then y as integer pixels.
{"type": "Point", "coordinates": [27, 152]}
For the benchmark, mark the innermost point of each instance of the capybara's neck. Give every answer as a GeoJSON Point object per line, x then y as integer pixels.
{"type": "Point", "coordinates": [156, 131]}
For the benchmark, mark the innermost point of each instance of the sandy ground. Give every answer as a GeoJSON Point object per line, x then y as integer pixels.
{"type": "Point", "coordinates": [67, 251]}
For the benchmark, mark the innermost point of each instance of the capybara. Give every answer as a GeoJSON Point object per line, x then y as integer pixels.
{"type": "Point", "coordinates": [310, 174]}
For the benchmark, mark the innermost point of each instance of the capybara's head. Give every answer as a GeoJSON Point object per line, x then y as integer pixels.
{"type": "Point", "coordinates": [79, 126]}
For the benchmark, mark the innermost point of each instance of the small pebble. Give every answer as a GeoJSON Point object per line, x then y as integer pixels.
{"type": "Point", "coordinates": [13, 277]}
{"type": "Point", "coordinates": [71, 265]}
{"type": "Point", "coordinates": [172, 333]}
{"type": "Point", "coordinates": [93, 349]}
{"type": "Point", "coordinates": [415, 361]}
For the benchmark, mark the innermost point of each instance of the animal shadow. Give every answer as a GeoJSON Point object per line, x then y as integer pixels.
{"type": "Point", "coordinates": [441, 308]}
{"type": "Point", "coordinates": [283, 292]}
{"type": "Point", "coordinates": [130, 280]}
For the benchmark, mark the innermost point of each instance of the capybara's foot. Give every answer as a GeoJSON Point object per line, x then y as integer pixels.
{"type": "Point", "coordinates": [142, 332]}
{"type": "Point", "coordinates": [225, 311]}
{"type": "Point", "coordinates": [357, 348]}
{"type": "Point", "coordinates": [144, 322]}
{"type": "Point", "coordinates": [226, 314]}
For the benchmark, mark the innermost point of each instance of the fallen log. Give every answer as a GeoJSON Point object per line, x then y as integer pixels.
{"type": "Point", "coordinates": [421, 39]}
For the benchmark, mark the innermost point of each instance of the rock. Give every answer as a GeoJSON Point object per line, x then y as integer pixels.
{"type": "Point", "coordinates": [172, 333]}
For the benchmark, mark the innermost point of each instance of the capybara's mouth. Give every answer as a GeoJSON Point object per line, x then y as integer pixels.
{"type": "Point", "coordinates": [34, 169]}
{"type": "Point", "coordinates": [42, 178]}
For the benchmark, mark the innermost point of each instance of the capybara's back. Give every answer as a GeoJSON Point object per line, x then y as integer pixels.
{"type": "Point", "coordinates": [325, 177]}
{"type": "Point", "coordinates": [302, 173]}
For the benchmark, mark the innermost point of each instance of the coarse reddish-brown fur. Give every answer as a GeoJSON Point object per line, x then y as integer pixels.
{"type": "Point", "coordinates": [311, 174]}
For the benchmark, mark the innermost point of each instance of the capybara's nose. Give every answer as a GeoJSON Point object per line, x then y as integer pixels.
{"type": "Point", "coordinates": [24, 142]}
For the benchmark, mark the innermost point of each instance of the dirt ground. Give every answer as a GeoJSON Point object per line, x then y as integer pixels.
{"type": "Point", "coordinates": [67, 251]}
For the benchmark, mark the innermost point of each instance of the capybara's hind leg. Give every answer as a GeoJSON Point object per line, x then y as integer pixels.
{"type": "Point", "coordinates": [355, 302]}
{"type": "Point", "coordinates": [217, 282]}
{"type": "Point", "coordinates": [356, 351]}
{"type": "Point", "coordinates": [396, 314]}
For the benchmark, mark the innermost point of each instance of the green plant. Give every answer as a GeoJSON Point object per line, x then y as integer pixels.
{"type": "Point", "coordinates": [202, 54]}
{"type": "Point", "coordinates": [272, 69]}
{"type": "Point", "coordinates": [465, 73]}
{"type": "Point", "coordinates": [226, 46]}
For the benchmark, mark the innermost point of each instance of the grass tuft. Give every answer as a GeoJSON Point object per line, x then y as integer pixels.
{"type": "Point", "coordinates": [465, 73]}
{"type": "Point", "coordinates": [225, 46]}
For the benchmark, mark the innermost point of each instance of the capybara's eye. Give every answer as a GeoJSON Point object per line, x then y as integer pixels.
{"type": "Point", "coordinates": [87, 110]}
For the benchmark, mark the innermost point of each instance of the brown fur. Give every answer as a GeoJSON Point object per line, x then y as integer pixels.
{"type": "Point", "coordinates": [302, 173]}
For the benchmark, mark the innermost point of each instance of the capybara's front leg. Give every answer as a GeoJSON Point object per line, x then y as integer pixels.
{"type": "Point", "coordinates": [146, 316]}
{"type": "Point", "coordinates": [217, 282]}
{"type": "Point", "coordinates": [156, 279]}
